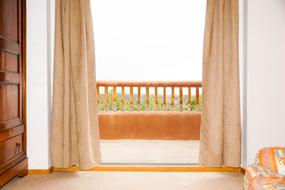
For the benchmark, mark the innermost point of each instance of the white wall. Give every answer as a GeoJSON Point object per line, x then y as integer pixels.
{"type": "Point", "coordinates": [264, 52]}
{"type": "Point", "coordinates": [38, 82]}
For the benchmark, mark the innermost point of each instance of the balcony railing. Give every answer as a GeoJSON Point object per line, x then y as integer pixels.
{"type": "Point", "coordinates": [129, 96]}
{"type": "Point", "coordinates": [165, 110]}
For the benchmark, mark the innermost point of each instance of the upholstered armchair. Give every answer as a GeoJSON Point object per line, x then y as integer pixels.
{"type": "Point", "coordinates": [268, 171]}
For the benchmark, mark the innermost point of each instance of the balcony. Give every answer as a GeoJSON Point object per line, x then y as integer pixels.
{"type": "Point", "coordinates": [149, 122]}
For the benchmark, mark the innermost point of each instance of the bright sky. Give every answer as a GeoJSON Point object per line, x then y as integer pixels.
{"type": "Point", "coordinates": [149, 39]}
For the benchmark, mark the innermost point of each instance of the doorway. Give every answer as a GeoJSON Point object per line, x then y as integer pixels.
{"type": "Point", "coordinates": [149, 71]}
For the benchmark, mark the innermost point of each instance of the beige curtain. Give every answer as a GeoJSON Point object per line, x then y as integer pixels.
{"type": "Point", "coordinates": [220, 143]}
{"type": "Point", "coordinates": [75, 133]}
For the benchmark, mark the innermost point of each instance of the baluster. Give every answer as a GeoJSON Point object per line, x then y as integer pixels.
{"type": "Point", "coordinates": [106, 98]}
{"type": "Point", "coordinates": [164, 99]}
{"type": "Point", "coordinates": [172, 98]}
{"type": "Point", "coordinates": [156, 98]}
{"type": "Point", "coordinates": [197, 98]}
{"type": "Point", "coordinates": [181, 98]}
{"type": "Point", "coordinates": [139, 98]}
{"type": "Point", "coordinates": [147, 98]}
{"type": "Point", "coordinates": [114, 103]}
{"type": "Point", "coordinates": [123, 98]}
{"type": "Point", "coordinates": [98, 96]}
{"type": "Point", "coordinates": [189, 99]}
{"type": "Point", "coordinates": [131, 98]}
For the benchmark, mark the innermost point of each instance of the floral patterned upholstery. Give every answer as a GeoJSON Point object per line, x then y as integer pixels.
{"type": "Point", "coordinates": [268, 171]}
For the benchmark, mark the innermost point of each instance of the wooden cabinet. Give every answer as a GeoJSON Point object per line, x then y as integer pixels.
{"type": "Point", "coordinates": [13, 159]}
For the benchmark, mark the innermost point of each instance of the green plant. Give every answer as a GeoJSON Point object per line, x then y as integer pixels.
{"type": "Point", "coordinates": [109, 105]}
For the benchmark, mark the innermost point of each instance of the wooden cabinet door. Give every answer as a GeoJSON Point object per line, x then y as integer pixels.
{"type": "Point", "coordinates": [11, 66]}
{"type": "Point", "coordinates": [12, 85]}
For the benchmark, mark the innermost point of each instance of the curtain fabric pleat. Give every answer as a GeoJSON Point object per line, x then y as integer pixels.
{"type": "Point", "coordinates": [75, 132]}
{"type": "Point", "coordinates": [220, 139]}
